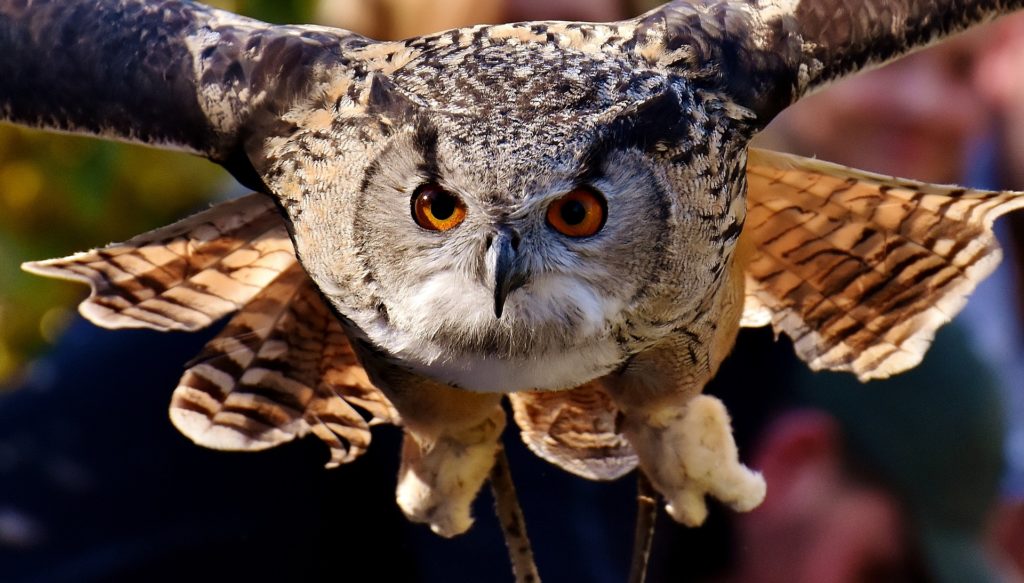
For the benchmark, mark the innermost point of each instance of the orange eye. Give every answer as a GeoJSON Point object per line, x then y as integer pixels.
{"type": "Point", "coordinates": [580, 213]}
{"type": "Point", "coordinates": [436, 209]}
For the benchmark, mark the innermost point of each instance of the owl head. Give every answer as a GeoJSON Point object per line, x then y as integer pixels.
{"type": "Point", "coordinates": [505, 211]}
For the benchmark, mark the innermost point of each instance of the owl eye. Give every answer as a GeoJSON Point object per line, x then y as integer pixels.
{"type": "Point", "coordinates": [436, 209]}
{"type": "Point", "coordinates": [579, 213]}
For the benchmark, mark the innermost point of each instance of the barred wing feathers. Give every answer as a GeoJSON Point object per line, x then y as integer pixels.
{"type": "Point", "coordinates": [184, 276]}
{"type": "Point", "coordinates": [282, 368]}
{"type": "Point", "coordinates": [859, 269]}
{"type": "Point", "coordinates": [574, 430]}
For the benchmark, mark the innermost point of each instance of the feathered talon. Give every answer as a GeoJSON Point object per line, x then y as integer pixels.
{"type": "Point", "coordinates": [440, 477]}
{"type": "Point", "coordinates": [438, 480]}
{"type": "Point", "coordinates": [690, 453]}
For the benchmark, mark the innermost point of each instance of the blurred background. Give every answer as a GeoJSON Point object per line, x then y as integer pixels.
{"type": "Point", "coordinates": [954, 114]}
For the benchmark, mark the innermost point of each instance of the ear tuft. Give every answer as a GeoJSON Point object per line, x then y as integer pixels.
{"type": "Point", "coordinates": [387, 100]}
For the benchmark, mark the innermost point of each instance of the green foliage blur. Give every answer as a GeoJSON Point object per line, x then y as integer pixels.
{"type": "Point", "coordinates": [63, 194]}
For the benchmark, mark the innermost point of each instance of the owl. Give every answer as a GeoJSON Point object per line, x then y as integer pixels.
{"type": "Point", "coordinates": [564, 213]}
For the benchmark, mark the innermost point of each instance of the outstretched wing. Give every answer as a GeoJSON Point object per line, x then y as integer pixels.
{"type": "Point", "coordinates": [282, 368]}
{"type": "Point", "coordinates": [766, 54]}
{"type": "Point", "coordinates": [859, 269]}
{"type": "Point", "coordinates": [184, 276]}
{"type": "Point", "coordinates": [575, 430]}
{"type": "Point", "coordinates": [167, 73]}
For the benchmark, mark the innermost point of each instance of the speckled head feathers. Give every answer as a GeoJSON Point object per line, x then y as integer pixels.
{"type": "Point", "coordinates": [509, 123]}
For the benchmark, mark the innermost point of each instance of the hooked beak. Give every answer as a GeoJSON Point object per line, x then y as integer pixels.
{"type": "Point", "coordinates": [508, 274]}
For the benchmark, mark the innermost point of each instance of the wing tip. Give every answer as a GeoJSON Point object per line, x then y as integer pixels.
{"type": "Point", "coordinates": [53, 268]}
{"type": "Point", "coordinates": [201, 430]}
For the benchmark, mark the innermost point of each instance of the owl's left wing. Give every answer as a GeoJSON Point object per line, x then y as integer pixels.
{"type": "Point", "coordinates": [767, 54]}
{"type": "Point", "coordinates": [859, 269]}
{"type": "Point", "coordinates": [575, 430]}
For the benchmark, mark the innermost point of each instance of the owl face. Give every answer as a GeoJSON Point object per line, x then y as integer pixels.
{"type": "Point", "coordinates": [523, 236]}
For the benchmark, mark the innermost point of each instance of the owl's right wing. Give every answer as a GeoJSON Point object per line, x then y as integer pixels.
{"type": "Point", "coordinates": [184, 276]}
{"type": "Point", "coordinates": [167, 73]}
{"type": "Point", "coordinates": [281, 368]}
{"type": "Point", "coordinates": [860, 269]}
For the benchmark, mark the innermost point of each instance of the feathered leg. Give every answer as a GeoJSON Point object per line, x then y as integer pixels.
{"type": "Point", "coordinates": [451, 439]}
{"type": "Point", "coordinates": [447, 455]}
{"type": "Point", "coordinates": [446, 459]}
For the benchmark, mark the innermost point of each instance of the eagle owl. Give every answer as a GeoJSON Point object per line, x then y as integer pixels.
{"type": "Point", "coordinates": [566, 213]}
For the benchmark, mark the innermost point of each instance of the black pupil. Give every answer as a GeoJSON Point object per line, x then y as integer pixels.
{"type": "Point", "coordinates": [442, 204]}
{"type": "Point", "coordinates": [573, 212]}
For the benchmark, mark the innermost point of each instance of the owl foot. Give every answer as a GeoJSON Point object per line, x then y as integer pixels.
{"type": "Point", "coordinates": [689, 452]}
{"type": "Point", "coordinates": [439, 479]}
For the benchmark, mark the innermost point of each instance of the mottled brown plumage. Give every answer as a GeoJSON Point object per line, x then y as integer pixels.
{"type": "Point", "coordinates": [625, 325]}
